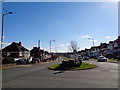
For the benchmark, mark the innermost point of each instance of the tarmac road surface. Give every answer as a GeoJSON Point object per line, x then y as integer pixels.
{"type": "Point", "coordinates": [38, 76]}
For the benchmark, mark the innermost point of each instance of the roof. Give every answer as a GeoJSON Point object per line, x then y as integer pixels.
{"type": "Point", "coordinates": [15, 47]}
{"type": "Point", "coordinates": [118, 40]}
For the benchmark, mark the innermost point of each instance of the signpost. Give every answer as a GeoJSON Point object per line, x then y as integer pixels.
{"type": "Point", "coordinates": [75, 51]}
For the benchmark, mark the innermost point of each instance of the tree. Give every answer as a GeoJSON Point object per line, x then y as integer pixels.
{"type": "Point", "coordinates": [73, 46]}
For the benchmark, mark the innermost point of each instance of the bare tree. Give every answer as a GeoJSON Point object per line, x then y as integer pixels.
{"type": "Point", "coordinates": [73, 46]}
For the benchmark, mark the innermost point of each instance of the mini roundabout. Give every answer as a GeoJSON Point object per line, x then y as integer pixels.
{"type": "Point", "coordinates": [72, 65]}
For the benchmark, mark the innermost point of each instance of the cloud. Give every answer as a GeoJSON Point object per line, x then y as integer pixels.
{"type": "Point", "coordinates": [115, 38]}
{"type": "Point", "coordinates": [86, 36]}
{"type": "Point", "coordinates": [83, 48]}
{"type": "Point", "coordinates": [67, 44]}
{"type": "Point", "coordinates": [108, 37]}
{"type": "Point", "coordinates": [62, 49]}
{"type": "Point", "coordinates": [62, 45]}
{"type": "Point", "coordinates": [92, 40]}
{"type": "Point", "coordinates": [5, 43]}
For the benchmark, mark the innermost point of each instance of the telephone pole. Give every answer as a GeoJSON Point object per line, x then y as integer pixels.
{"type": "Point", "coordinates": [50, 44]}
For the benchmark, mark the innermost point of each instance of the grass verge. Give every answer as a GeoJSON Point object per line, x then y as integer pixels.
{"type": "Point", "coordinates": [113, 60]}
{"type": "Point", "coordinates": [83, 66]}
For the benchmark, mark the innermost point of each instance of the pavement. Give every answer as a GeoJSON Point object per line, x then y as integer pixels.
{"type": "Point", "coordinates": [39, 76]}
{"type": "Point", "coordinates": [114, 61]}
{"type": "Point", "coordinates": [11, 66]}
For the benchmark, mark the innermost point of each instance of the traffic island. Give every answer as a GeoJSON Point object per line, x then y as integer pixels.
{"type": "Point", "coordinates": [83, 66]}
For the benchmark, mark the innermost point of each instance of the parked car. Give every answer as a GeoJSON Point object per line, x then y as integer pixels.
{"type": "Point", "coordinates": [79, 57]}
{"type": "Point", "coordinates": [21, 61]}
{"type": "Point", "coordinates": [85, 58]}
{"type": "Point", "coordinates": [34, 60]}
{"type": "Point", "coordinates": [102, 59]}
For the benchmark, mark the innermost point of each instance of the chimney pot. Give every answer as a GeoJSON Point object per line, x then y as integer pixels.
{"type": "Point", "coordinates": [19, 43]}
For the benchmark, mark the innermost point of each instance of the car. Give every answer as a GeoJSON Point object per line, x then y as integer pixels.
{"type": "Point", "coordinates": [79, 57]}
{"type": "Point", "coordinates": [85, 58]}
{"type": "Point", "coordinates": [102, 59]}
{"type": "Point", "coordinates": [35, 60]}
{"type": "Point", "coordinates": [21, 61]}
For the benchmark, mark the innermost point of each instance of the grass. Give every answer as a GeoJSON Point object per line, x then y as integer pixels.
{"type": "Point", "coordinates": [113, 60]}
{"type": "Point", "coordinates": [83, 66]}
{"type": "Point", "coordinates": [66, 59]}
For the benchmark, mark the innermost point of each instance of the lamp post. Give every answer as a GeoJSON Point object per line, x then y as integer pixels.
{"type": "Point", "coordinates": [50, 44]}
{"type": "Point", "coordinates": [93, 45]}
{"type": "Point", "coordinates": [3, 30]}
{"type": "Point", "coordinates": [56, 49]}
{"type": "Point", "coordinates": [92, 40]}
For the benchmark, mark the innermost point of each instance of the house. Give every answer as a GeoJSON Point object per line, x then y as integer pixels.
{"type": "Point", "coordinates": [36, 52]}
{"type": "Point", "coordinates": [15, 50]}
{"type": "Point", "coordinates": [117, 47]}
{"type": "Point", "coordinates": [103, 49]}
{"type": "Point", "coordinates": [94, 51]}
{"type": "Point", "coordinates": [113, 49]}
{"type": "Point", "coordinates": [110, 47]}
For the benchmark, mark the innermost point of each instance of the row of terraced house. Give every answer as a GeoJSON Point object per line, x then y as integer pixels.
{"type": "Point", "coordinates": [110, 50]}
{"type": "Point", "coordinates": [17, 51]}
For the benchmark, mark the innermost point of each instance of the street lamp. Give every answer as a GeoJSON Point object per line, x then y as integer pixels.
{"type": "Point", "coordinates": [50, 44]}
{"type": "Point", "coordinates": [93, 45]}
{"type": "Point", "coordinates": [92, 40]}
{"type": "Point", "coordinates": [56, 49]}
{"type": "Point", "coordinates": [3, 30]}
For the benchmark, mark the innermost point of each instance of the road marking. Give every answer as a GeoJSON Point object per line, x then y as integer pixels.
{"type": "Point", "coordinates": [114, 71]}
{"type": "Point", "coordinates": [92, 70]}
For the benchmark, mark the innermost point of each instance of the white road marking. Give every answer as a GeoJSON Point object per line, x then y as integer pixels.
{"type": "Point", "coordinates": [92, 70]}
{"type": "Point", "coordinates": [113, 70]}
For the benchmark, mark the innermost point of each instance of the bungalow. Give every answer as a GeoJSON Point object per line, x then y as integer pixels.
{"type": "Point", "coordinates": [15, 50]}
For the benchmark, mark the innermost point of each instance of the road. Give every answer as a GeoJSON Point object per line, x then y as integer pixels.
{"type": "Point", "coordinates": [38, 76]}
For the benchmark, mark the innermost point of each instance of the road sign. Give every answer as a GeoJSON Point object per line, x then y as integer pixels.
{"type": "Point", "coordinates": [75, 51]}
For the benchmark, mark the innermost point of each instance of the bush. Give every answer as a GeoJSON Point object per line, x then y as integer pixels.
{"type": "Point", "coordinates": [8, 60]}
{"type": "Point", "coordinates": [68, 64]}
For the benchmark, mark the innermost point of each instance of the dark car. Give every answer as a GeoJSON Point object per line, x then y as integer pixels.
{"type": "Point", "coordinates": [21, 61]}
{"type": "Point", "coordinates": [35, 60]}
{"type": "Point", "coordinates": [85, 58]}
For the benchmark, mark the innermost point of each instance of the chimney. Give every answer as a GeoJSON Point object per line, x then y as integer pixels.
{"type": "Point", "coordinates": [19, 43]}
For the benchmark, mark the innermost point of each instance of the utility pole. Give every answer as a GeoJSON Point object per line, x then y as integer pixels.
{"type": "Point", "coordinates": [93, 45]}
{"type": "Point", "coordinates": [92, 40]}
{"type": "Point", "coordinates": [50, 45]}
{"type": "Point", "coordinates": [39, 43]}
{"type": "Point", "coordinates": [39, 53]}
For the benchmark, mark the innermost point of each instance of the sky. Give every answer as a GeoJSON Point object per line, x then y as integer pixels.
{"type": "Point", "coordinates": [62, 22]}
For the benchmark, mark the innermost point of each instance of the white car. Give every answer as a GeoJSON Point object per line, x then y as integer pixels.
{"type": "Point", "coordinates": [102, 59]}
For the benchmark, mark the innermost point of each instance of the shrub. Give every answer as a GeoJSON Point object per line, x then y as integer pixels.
{"type": "Point", "coordinates": [68, 64]}
{"type": "Point", "coordinates": [8, 60]}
